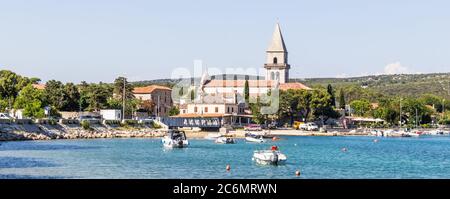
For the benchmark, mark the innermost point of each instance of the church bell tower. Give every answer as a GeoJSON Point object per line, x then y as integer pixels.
{"type": "Point", "coordinates": [277, 67]}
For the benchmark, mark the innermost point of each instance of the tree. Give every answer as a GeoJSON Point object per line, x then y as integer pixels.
{"type": "Point", "coordinates": [192, 95]}
{"type": "Point", "coordinates": [55, 95]}
{"type": "Point", "coordinates": [361, 107]}
{"type": "Point", "coordinates": [148, 106]}
{"type": "Point", "coordinates": [321, 105]}
{"type": "Point", "coordinates": [432, 100]}
{"type": "Point", "coordinates": [96, 96]}
{"type": "Point", "coordinates": [30, 99]}
{"type": "Point", "coordinates": [246, 91]}
{"type": "Point", "coordinates": [10, 85]}
{"type": "Point", "coordinates": [119, 86]}
{"type": "Point", "coordinates": [331, 93]}
{"type": "Point", "coordinates": [174, 111]}
{"type": "Point", "coordinates": [342, 99]}
{"type": "Point", "coordinates": [288, 105]}
{"type": "Point", "coordinates": [72, 97]}
{"type": "Point", "coordinates": [304, 104]}
{"type": "Point", "coordinates": [257, 116]}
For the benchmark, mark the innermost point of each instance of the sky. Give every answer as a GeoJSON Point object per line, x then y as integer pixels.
{"type": "Point", "coordinates": [98, 40]}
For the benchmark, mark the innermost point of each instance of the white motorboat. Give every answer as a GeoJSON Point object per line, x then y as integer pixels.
{"type": "Point", "coordinates": [212, 136]}
{"type": "Point", "coordinates": [254, 138]}
{"type": "Point", "coordinates": [410, 134]}
{"type": "Point", "coordinates": [175, 139]}
{"type": "Point", "coordinates": [225, 140]}
{"type": "Point", "coordinates": [267, 157]}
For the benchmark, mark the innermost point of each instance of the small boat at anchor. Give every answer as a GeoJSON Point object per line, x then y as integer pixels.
{"type": "Point", "coordinates": [269, 157]}
{"type": "Point", "coordinates": [175, 139]}
{"type": "Point", "coordinates": [225, 140]}
{"type": "Point", "coordinates": [254, 138]}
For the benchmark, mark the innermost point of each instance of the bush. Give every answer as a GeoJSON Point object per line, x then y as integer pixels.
{"type": "Point", "coordinates": [86, 125]}
{"type": "Point", "coordinates": [131, 122]}
{"type": "Point", "coordinates": [155, 125]}
{"type": "Point", "coordinates": [52, 122]}
{"type": "Point", "coordinates": [426, 126]}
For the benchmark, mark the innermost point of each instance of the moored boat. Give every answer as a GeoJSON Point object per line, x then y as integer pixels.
{"type": "Point", "coordinates": [254, 138]}
{"type": "Point", "coordinates": [175, 139]}
{"type": "Point", "coordinates": [225, 140]}
{"type": "Point", "coordinates": [269, 157]}
{"type": "Point", "coordinates": [212, 136]}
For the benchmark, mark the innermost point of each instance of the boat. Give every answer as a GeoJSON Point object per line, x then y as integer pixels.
{"type": "Point", "coordinates": [269, 157]}
{"type": "Point", "coordinates": [175, 139]}
{"type": "Point", "coordinates": [254, 138]}
{"type": "Point", "coordinates": [409, 134]}
{"type": "Point", "coordinates": [225, 140]}
{"type": "Point", "coordinates": [212, 136]}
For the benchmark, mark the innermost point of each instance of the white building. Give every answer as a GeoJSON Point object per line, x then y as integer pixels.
{"type": "Point", "coordinates": [225, 98]}
{"type": "Point", "coordinates": [276, 75]}
{"type": "Point", "coordinates": [111, 114]}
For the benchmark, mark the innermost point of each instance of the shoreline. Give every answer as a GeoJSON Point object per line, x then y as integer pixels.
{"type": "Point", "coordinates": [53, 132]}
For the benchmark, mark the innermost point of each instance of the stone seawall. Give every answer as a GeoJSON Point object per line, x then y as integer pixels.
{"type": "Point", "coordinates": [16, 132]}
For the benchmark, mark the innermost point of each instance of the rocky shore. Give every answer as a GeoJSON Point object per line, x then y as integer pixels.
{"type": "Point", "coordinates": [13, 132]}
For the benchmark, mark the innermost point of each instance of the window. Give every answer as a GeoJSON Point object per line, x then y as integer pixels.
{"type": "Point", "coordinates": [217, 109]}
{"type": "Point", "coordinates": [272, 75]}
{"type": "Point", "coordinates": [195, 109]}
{"type": "Point", "coordinates": [275, 60]}
{"type": "Point", "coordinates": [232, 109]}
{"type": "Point", "coordinates": [278, 76]}
{"type": "Point", "coordinates": [206, 109]}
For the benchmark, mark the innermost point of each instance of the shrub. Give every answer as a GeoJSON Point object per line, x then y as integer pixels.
{"type": "Point", "coordinates": [131, 122]}
{"type": "Point", "coordinates": [155, 125]}
{"type": "Point", "coordinates": [86, 125]}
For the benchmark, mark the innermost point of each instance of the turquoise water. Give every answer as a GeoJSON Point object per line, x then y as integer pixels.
{"type": "Point", "coordinates": [315, 157]}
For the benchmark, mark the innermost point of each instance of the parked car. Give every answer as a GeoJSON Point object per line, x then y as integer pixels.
{"type": "Point", "coordinates": [5, 116]}
{"type": "Point", "coordinates": [253, 127]}
{"type": "Point", "coordinates": [310, 126]}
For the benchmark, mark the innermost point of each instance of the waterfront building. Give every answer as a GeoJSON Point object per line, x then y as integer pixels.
{"type": "Point", "coordinates": [161, 96]}
{"type": "Point", "coordinates": [276, 74]}
{"type": "Point", "coordinates": [224, 98]}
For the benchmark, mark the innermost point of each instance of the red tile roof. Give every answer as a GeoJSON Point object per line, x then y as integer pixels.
{"type": "Point", "coordinates": [149, 89]}
{"type": "Point", "coordinates": [255, 83]}
{"type": "Point", "coordinates": [238, 83]}
{"type": "Point", "coordinates": [39, 86]}
{"type": "Point", "coordinates": [294, 85]}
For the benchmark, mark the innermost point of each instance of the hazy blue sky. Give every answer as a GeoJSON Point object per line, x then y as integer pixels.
{"type": "Point", "coordinates": [99, 40]}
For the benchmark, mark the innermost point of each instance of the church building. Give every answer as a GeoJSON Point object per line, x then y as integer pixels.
{"type": "Point", "coordinates": [225, 97]}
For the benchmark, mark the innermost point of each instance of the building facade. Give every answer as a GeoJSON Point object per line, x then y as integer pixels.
{"type": "Point", "coordinates": [160, 96]}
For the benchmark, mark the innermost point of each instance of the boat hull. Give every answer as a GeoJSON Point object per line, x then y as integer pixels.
{"type": "Point", "coordinates": [224, 140]}
{"type": "Point", "coordinates": [269, 157]}
{"type": "Point", "coordinates": [169, 143]}
{"type": "Point", "coordinates": [252, 139]}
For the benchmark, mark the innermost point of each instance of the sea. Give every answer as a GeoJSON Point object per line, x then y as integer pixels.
{"type": "Point", "coordinates": [315, 157]}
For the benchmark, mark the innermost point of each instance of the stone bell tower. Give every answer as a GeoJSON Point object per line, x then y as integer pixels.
{"type": "Point", "coordinates": [277, 67]}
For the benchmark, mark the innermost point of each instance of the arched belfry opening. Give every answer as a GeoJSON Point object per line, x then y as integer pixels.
{"type": "Point", "coordinates": [275, 60]}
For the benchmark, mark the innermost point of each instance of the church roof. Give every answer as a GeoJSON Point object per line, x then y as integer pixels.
{"type": "Point", "coordinates": [238, 83]}
{"type": "Point", "coordinates": [255, 83]}
{"type": "Point", "coordinates": [294, 86]}
{"type": "Point", "coordinates": [277, 43]}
